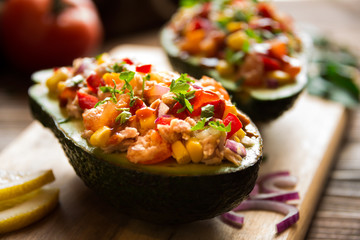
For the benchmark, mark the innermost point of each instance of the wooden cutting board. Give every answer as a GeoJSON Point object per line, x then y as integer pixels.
{"type": "Point", "coordinates": [302, 141]}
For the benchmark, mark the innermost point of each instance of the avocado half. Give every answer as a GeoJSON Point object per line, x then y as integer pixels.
{"type": "Point", "coordinates": [160, 193]}
{"type": "Point", "coordinates": [260, 104]}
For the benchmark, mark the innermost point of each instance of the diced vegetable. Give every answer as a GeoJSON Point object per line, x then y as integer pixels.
{"type": "Point", "coordinates": [94, 81]}
{"type": "Point", "coordinates": [144, 68]}
{"type": "Point", "coordinates": [235, 124]}
{"type": "Point", "coordinates": [100, 137]}
{"type": "Point", "coordinates": [180, 153]}
{"type": "Point", "coordinates": [60, 75]}
{"type": "Point", "coordinates": [147, 117]}
{"type": "Point", "coordinates": [86, 101]}
{"type": "Point", "coordinates": [236, 40]}
{"type": "Point", "coordinates": [194, 149]}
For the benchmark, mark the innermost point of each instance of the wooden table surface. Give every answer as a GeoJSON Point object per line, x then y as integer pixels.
{"type": "Point", "coordinates": [338, 211]}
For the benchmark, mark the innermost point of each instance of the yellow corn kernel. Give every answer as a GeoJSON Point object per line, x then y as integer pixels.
{"type": "Point", "coordinates": [240, 134]}
{"type": "Point", "coordinates": [236, 40]}
{"type": "Point", "coordinates": [281, 76]}
{"type": "Point", "coordinates": [59, 75]}
{"type": "Point", "coordinates": [102, 58]}
{"type": "Point", "coordinates": [61, 86]}
{"type": "Point", "coordinates": [100, 137]}
{"type": "Point", "coordinates": [229, 109]}
{"type": "Point", "coordinates": [224, 68]}
{"type": "Point", "coordinates": [148, 122]}
{"type": "Point", "coordinates": [180, 153]}
{"type": "Point", "coordinates": [236, 139]}
{"type": "Point", "coordinates": [235, 26]}
{"type": "Point", "coordinates": [195, 150]}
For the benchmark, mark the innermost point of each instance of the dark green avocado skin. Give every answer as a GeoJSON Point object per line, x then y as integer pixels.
{"type": "Point", "coordinates": [157, 198]}
{"type": "Point", "coordinates": [259, 110]}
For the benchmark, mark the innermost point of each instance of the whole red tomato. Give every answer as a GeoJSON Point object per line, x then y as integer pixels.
{"type": "Point", "coordinates": [47, 33]}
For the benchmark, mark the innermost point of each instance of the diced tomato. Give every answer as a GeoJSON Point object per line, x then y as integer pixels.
{"type": "Point", "coordinates": [86, 101]}
{"type": "Point", "coordinates": [202, 97]}
{"type": "Point", "coordinates": [219, 108]}
{"type": "Point", "coordinates": [278, 49]}
{"type": "Point", "coordinates": [138, 104]}
{"type": "Point", "coordinates": [143, 68]}
{"type": "Point", "coordinates": [198, 23]}
{"type": "Point", "coordinates": [94, 81]}
{"type": "Point", "coordinates": [145, 112]}
{"type": "Point", "coordinates": [181, 115]}
{"type": "Point", "coordinates": [164, 120]}
{"type": "Point", "coordinates": [265, 10]}
{"type": "Point", "coordinates": [68, 93]}
{"type": "Point", "coordinates": [128, 61]}
{"type": "Point", "coordinates": [235, 124]}
{"type": "Point", "coordinates": [270, 64]}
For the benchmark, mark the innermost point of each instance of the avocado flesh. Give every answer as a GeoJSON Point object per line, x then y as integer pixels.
{"type": "Point", "coordinates": [163, 193]}
{"type": "Point", "coordinates": [260, 104]}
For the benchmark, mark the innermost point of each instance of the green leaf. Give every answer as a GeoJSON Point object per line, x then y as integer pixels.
{"type": "Point", "coordinates": [127, 76]}
{"type": "Point", "coordinates": [234, 57]}
{"type": "Point", "coordinates": [199, 125]}
{"type": "Point", "coordinates": [220, 126]}
{"type": "Point", "coordinates": [123, 117]}
{"type": "Point", "coordinates": [252, 34]}
{"type": "Point", "coordinates": [246, 46]}
{"type": "Point", "coordinates": [102, 101]}
{"type": "Point", "coordinates": [207, 111]}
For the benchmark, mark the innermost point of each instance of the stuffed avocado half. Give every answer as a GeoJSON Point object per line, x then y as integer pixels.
{"type": "Point", "coordinates": [178, 163]}
{"type": "Point", "coordinates": [248, 46]}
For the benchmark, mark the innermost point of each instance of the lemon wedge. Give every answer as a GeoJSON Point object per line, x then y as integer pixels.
{"type": "Point", "coordinates": [26, 209]}
{"type": "Point", "coordinates": [14, 184]}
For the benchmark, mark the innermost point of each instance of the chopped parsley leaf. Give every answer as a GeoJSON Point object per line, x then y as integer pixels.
{"type": "Point", "coordinates": [124, 116]}
{"type": "Point", "coordinates": [220, 126]}
{"type": "Point", "coordinates": [180, 88]}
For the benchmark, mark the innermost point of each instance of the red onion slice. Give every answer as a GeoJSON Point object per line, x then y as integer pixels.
{"type": "Point", "coordinates": [236, 147]}
{"type": "Point", "coordinates": [271, 183]}
{"type": "Point", "coordinates": [163, 109]}
{"type": "Point", "coordinates": [255, 191]}
{"type": "Point", "coordinates": [291, 212]}
{"type": "Point", "coordinates": [233, 218]}
{"type": "Point", "coordinates": [280, 197]}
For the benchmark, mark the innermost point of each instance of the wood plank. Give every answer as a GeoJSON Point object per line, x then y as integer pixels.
{"type": "Point", "coordinates": [303, 141]}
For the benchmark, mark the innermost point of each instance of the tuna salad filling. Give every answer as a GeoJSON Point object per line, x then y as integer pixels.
{"type": "Point", "coordinates": [153, 116]}
{"type": "Point", "coordinates": [246, 41]}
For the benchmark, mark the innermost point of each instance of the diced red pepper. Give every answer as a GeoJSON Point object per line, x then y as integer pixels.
{"type": "Point", "coordinates": [201, 99]}
{"type": "Point", "coordinates": [128, 61]}
{"type": "Point", "coordinates": [94, 81]}
{"type": "Point", "coordinates": [270, 64]}
{"type": "Point", "coordinates": [86, 101]}
{"type": "Point", "coordinates": [138, 104]}
{"type": "Point", "coordinates": [143, 68]}
{"type": "Point", "coordinates": [163, 120]}
{"type": "Point", "coordinates": [236, 124]}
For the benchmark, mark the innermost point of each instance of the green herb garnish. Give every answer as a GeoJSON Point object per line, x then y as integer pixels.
{"type": "Point", "coordinates": [252, 34]}
{"type": "Point", "coordinates": [207, 112]}
{"type": "Point", "coordinates": [113, 91]}
{"type": "Point", "coordinates": [180, 88]}
{"type": "Point", "coordinates": [220, 126]}
{"type": "Point", "coordinates": [124, 116]}
{"type": "Point", "coordinates": [102, 101]}
{"type": "Point", "coordinates": [146, 78]}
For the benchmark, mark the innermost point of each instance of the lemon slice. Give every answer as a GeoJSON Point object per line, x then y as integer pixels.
{"type": "Point", "coordinates": [27, 209]}
{"type": "Point", "coordinates": [14, 184]}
